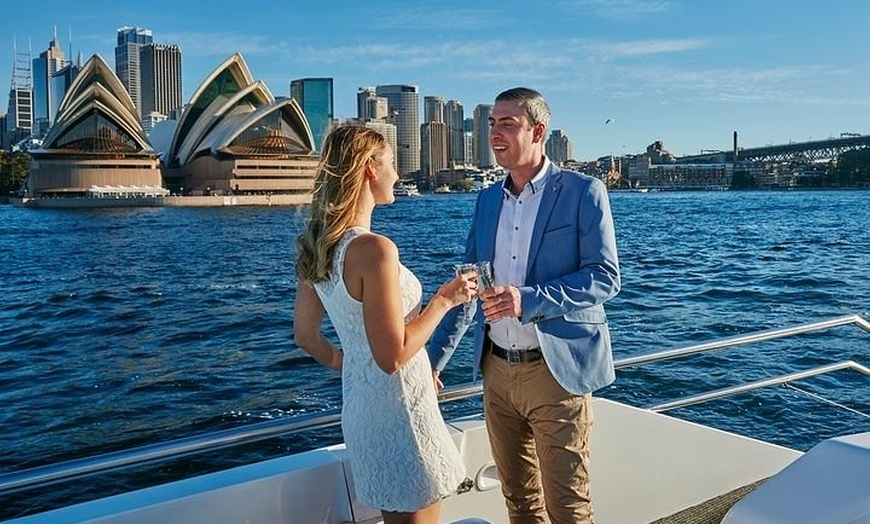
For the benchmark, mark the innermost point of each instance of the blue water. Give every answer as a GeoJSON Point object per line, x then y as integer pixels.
{"type": "Point", "coordinates": [129, 326]}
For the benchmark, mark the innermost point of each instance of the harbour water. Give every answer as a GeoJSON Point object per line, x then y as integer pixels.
{"type": "Point", "coordinates": [120, 327]}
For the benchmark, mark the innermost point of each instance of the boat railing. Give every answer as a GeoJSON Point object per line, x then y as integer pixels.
{"type": "Point", "coordinates": [175, 449]}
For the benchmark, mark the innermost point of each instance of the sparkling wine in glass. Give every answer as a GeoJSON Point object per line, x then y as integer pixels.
{"type": "Point", "coordinates": [484, 277]}
{"type": "Point", "coordinates": [469, 307]}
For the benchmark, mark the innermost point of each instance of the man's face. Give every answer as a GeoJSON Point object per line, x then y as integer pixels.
{"type": "Point", "coordinates": [514, 140]}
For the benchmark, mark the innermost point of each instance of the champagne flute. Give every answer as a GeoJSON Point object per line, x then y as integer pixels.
{"type": "Point", "coordinates": [469, 307]}
{"type": "Point", "coordinates": [484, 277]}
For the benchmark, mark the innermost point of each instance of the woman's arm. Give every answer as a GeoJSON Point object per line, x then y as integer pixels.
{"type": "Point", "coordinates": [306, 328]}
{"type": "Point", "coordinates": [373, 272]}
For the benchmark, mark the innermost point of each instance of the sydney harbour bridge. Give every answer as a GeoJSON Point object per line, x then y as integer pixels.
{"type": "Point", "coordinates": [814, 151]}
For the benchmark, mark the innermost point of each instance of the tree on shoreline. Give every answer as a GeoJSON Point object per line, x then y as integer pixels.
{"type": "Point", "coordinates": [13, 170]}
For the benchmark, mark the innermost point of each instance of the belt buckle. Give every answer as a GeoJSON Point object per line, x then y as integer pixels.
{"type": "Point", "coordinates": [513, 356]}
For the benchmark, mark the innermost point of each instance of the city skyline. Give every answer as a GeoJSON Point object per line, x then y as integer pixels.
{"type": "Point", "coordinates": [619, 74]}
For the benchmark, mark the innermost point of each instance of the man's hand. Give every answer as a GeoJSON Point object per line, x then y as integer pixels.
{"type": "Point", "coordinates": [501, 302]}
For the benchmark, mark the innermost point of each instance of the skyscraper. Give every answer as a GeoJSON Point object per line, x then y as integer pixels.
{"type": "Point", "coordinates": [314, 95]}
{"type": "Point", "coordinates": [160, 66]}
{"type": "Point", "coordinates": [454, 117]}
{"type": "Point", "coordinates": [45, 66]}
{"type": "Point", "coordinates": [130, 40]}
{"type": "Point", "coordinates": [433, 109]}
{"type": "Point", "coordinates": [433, 157]}
{"type": "Point", "coordinates": [558, 147]}
{"type": "Point", "coordinates": [483, 157]}
{"type": "Point", "coordinates": [363, 94]}
{"type": "Point", "coordinates": [19, 117]}
{"type": "Point", "coordinates": [404, 107]}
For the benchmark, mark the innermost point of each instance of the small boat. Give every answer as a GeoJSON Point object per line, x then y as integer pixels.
{"type": "Point", "coordinates": [406, 190]}
{"type": "Point", "coordinates": [443, 189]}
{"type": "Point", "coordinates": [647, 465]}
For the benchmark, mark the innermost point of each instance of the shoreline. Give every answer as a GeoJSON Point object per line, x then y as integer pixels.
{"type": "Point", "coordinates": [169, 201]}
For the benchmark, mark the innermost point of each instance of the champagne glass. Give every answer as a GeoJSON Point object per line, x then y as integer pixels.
{"type": "Point", "coordinates": [469, 307]}
{"type": "Point", "coordinates": [484, 277]}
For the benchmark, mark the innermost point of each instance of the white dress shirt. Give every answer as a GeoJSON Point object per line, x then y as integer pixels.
{"type": "Point", "coordinates": [513, 239]}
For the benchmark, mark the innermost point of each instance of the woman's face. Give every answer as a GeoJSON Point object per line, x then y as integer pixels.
{"type": "Point", "coordinates": [385, 177]}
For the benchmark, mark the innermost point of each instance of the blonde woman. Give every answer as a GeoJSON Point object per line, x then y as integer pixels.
{"type": "Point", "coordinates": [404, 461]}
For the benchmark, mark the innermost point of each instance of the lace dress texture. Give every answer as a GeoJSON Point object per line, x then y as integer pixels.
{"type": "Point", "coordinates": [402, 455]}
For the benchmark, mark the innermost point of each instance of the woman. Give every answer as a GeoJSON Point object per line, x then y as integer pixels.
{"type": "Point", "coordinates": [404, 460]}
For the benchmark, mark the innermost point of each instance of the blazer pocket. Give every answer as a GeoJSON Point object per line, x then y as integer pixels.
{"type": "Point", "coordinates": [558, 231]}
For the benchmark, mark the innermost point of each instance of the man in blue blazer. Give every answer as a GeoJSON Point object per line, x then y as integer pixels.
{"type": "Point", "coordinates": [541, 340]}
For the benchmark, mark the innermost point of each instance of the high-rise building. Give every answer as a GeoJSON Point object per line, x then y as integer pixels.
{"type": "Point", "coordinates": [482, 151]}
{"type": "Point", "coordinates": [363, 95]}
{"type": "Point", "coordinates": [45, 66]}
{"type": "Point", "coordinates": [130, 40]}
{"type": "Point", "coordinates": [433, 153]}
{"type": "Point", "coordinates": [558, 147]}
{"type": "Point", "coordinates": [404, 107]}
{"type": "Point", "coordinates": [433, 109]}
{"type": "Point", "coordinates": [314, 95]}
{"type": "Point", "coordinates": [160, 82]}
{"type": "Point", "coordinates": [19, 116]}
{"type": "Point", "coordinates": [378, 108]}
{"type": "Point", "coordinates": [454, 117]}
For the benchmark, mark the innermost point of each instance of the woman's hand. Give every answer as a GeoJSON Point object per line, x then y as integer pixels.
{"type": "Point", "coordinates": [459, 290]}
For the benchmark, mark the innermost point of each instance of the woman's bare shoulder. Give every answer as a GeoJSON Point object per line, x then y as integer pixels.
{"type": "Point", "coordinates": [372, 249]}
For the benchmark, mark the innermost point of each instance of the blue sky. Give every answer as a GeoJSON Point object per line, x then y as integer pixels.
{"type": "Point", "coordinates": [686, 72]}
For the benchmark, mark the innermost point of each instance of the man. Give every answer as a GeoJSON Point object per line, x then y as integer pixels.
{"type": "Point", "coordinates": [545, 345]}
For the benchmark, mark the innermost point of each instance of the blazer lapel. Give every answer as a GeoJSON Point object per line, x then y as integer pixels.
{"type": "Point", "coordinates": [548, 203]}
{"type": "Point", "coordinates": [490, 209]}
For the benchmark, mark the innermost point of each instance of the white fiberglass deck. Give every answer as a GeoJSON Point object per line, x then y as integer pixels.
{"type": "Point", "coordinates": [645, 466]}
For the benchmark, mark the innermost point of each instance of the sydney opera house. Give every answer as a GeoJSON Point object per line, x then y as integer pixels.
{"type": "Point", "coordinates": [234, 140]}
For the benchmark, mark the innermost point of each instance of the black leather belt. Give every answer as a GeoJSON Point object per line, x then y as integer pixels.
{"type": "Point", "coordinates": [514, 356]}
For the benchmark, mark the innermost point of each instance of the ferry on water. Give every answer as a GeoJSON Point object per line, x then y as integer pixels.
{"type": "Point", "coordinates": [406, 190]}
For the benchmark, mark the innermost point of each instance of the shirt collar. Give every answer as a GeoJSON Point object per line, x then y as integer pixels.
{"type": "Point", "coordinates": [536, 183]}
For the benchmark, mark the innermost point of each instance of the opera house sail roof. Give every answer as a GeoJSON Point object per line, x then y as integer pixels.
{"type": "Point", "coordinates": [234, 136]}
{"type": "Point", "coordinates": [96, 140]}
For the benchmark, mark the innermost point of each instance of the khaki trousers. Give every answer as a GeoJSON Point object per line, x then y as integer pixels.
{"type": "Point", "coordinates": [539, 435]}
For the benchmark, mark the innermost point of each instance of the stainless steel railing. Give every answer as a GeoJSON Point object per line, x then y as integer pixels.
{"type": "Point", "coordinates": [180, 448]}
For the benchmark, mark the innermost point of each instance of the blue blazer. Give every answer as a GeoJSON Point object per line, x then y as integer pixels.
{"type": "Point", "coordinates": [572, 270]}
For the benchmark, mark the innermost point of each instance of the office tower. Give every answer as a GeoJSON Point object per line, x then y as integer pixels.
{"type": "Point", "coordinates": [45, 66]}
{"type": "Point", "coordinates": [433, 109]}
{"type": "Point", "coordinates": [363, 95]}
{"type": "Point", "coordinates": [19, 116]}
{"type": "Point", "coordinates": [130, 40]}
{"type": "Point", "coordinates": [160, 85]}
{"type": "Point", "coordinates": [454, 117]}
{"type": "Point", "coordinates": [404, 107]}
{"type": "Point", "coordinates": [433, 153]}
{"type": "Point", "coordinates": [378, 108]}
{"type": "Point", "coordinates": [314, 96]}
{"type": "Point", "coordinates": [482, 152]}
{"type": "Point", "coordinates": [558, 147]}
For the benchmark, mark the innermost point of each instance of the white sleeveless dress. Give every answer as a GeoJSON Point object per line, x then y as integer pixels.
{"type": "Point", "coordinates": [402, 456]}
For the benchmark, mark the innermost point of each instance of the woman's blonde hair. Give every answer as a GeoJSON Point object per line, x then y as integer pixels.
{"type": "Point", "coordinates": [337, 189]}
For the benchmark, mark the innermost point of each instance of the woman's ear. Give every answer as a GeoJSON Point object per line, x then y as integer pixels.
{"type": "Point", "coordinates": [370, 169]}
